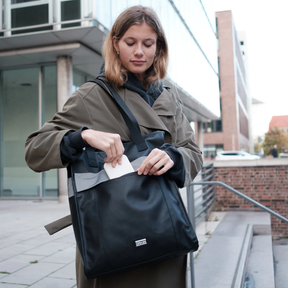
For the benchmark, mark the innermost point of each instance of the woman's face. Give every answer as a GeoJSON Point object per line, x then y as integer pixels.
{"type": "Point", "coordinates": [137, 49]}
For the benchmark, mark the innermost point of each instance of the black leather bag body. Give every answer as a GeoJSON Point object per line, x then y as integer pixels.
{"type": "Point", "coordinates": [129, 221]}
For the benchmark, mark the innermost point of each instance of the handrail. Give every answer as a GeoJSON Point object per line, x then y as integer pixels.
{"type": "Point", "coordinates": [243, 196]}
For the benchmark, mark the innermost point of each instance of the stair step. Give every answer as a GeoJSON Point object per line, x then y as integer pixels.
{"type": "Point", "coordinates": [223, 259]}
{"type": "Point", "coordinates": [280, 249]}
{"type": "Point", "coordinates": [260, 263]}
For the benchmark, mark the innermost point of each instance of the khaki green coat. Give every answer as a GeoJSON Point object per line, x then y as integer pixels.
{"type": "Point", "coordinates": [90, 106]}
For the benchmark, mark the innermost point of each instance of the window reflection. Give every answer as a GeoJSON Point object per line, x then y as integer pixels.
{"type": "Point", "coordinates": [70, 10]}
{"type": "Point", "coordinates": [28, 16]}
{"type": "Point", "coordinates": [79, 79]}
{"type": "Point", "coordinates": [195, 17]}
{"type": "Point", "coordinates": [210, 151]}
{"type": "Point", "coordinates": [20, 116]}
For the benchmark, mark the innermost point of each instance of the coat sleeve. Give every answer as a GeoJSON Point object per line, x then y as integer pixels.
{"type": "Point", "coordinates": [42, 147]}
{"type": "Point", "coordinates": [185, 143]}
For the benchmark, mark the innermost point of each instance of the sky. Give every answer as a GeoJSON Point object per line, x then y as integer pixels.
{"type": "Point", "coordinates": [266, 25]}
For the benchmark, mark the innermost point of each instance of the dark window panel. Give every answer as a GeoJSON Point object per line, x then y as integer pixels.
{"type": "Point", "coordinates": [29, 16]}
{"type": "Point", "coordinates": [70, 10]}
{"type": "Point", "coordinates": [218, 125]}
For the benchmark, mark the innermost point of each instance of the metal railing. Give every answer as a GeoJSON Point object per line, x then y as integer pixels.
{"type": "Point", "coordinates": [87, 21]}
{"type": "Point", "coordinates": [201, 210]}
{"type": "Point", "coordinates": [204, 195]}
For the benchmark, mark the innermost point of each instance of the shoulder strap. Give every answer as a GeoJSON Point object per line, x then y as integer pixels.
{"type": "Point", "coordinates": [127, 115]}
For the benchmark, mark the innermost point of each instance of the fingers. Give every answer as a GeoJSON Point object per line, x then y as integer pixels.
{"type": "Point", "coordinates": [114, 149]}
{"type": "Point", "coordinates": [164, 168]}
{"type": "Point", "coordinates": [110, 143]}
{"type": "Point", "coordinates": [157, 163]}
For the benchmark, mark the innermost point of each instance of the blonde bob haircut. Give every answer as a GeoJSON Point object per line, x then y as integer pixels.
{"type": "Point", "coordinates": [115, 72]}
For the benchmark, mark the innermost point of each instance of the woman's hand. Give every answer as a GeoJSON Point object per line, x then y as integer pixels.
{"type": "Point", "coordinates": [157, 163]}
{"type": "Point", "coordinates": [110, 143]}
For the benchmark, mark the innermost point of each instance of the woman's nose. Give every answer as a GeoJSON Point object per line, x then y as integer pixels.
{"type": "Point", "coordinates": [138, 51]}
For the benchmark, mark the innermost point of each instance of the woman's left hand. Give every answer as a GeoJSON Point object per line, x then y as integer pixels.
{"type": "Point", "coordinates": [156, 163]}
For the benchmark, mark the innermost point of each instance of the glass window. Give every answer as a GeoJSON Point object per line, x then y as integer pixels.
{"type": "Point", "coordinates": [19, 117]}
{"type": "Point", "coordinates": [196, 72]}
{"type": "Point", "coordinates": [49, 108]}
{"type": "Point", "coordinates": [28, 16]}
{"type": "Point", "coordinates": [70, 10]}
{"type": "Point", "coordinates": [103, 11]}
{"type": "Point", "coordinates": [78, 80]}
{"type": "Point", "coordinates": [209, 6]}
{"type": "Point", "coordinates": [218, 125]}
{"type": "Point", "coordinates": [210, 151]}
{"type": "Point", "coordinates": [210, 127]}
{"type": "Point", "coordinates": [243, 123]}
{"type": "Point", "coordinates": [219, 79]}
{"type": "Point", "coordinates": [213, 126]}
{"type": "Point", "coordinates": [196, 18]}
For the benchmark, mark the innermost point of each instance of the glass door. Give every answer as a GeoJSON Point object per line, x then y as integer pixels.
{"type": "Point", "coordinates": [28, 98]}
{"type": "Point", "coordinates": [19, 117]}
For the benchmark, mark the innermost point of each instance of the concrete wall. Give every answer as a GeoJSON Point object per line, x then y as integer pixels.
{"type": "Point", "coordinates": [264, 180]}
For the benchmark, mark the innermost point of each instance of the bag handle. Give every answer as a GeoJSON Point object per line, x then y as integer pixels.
{"type": "Point", "coordinates": [127, 115]}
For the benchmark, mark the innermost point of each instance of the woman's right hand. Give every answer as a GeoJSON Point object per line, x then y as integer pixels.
{"type": "Point", "coordinates": [110, 143]}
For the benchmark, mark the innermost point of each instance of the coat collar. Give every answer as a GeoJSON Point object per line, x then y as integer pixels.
{"type": "Point", "coordinates": [149, 116]}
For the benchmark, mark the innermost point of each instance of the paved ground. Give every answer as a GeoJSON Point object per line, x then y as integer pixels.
{"type": "Point", "coordinates": [30, 257]}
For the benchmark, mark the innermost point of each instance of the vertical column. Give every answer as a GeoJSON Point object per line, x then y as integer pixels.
{"type": "Point", "coordinates": [7, 18]}
{"type": "Point", "coordinates": [57, 14]}
{"type": "Point", "coordinates": [200, 136]}
{"type": "Point", "coordinates": [64, 90]}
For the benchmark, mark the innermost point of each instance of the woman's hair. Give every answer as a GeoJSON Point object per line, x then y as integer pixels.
{"type": "Point", "coordinates": [115, 72]}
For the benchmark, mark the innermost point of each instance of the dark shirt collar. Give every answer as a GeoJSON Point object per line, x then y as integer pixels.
{"type": "Point", "coordinates": [135, 85]}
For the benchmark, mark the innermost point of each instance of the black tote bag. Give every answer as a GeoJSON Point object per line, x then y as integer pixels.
{"type": "Point", "coordinates": [130, 221]}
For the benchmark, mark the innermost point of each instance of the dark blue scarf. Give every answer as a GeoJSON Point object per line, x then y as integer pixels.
{"type": "Point", "coordinates": [135, 85]}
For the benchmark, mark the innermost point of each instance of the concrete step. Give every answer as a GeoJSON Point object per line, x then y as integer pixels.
{"type": "Point", "coordinates": [280, 251]}
{"type": "Point", "coordinates": [260, 266]}
{"type": "Point", "coordinates": [223, 259]}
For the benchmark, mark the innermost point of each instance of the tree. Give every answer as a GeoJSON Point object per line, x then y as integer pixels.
{"type": "Point", "coordinates": [275, 136]}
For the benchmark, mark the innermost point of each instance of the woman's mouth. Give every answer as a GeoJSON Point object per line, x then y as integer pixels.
{"type": "Point", "coordinates": [138, 62]}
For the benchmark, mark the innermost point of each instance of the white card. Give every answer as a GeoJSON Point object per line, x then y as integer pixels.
{"type": "Point", "coordinates": [119, 170]}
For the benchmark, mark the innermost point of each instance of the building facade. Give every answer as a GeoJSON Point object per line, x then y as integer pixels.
{"type": "Point", "coordinates": [233, 131]}
{"type": "Point", "coordinates": [49, 48]}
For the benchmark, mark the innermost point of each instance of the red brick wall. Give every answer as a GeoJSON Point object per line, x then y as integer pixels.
{"type": "Point", "coordinates": [265, 184]}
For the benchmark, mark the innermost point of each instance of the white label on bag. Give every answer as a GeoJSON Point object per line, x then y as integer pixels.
{"type": "Point", "coordinates": [141, 242]}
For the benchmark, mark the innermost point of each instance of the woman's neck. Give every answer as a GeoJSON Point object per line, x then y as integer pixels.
{"type": "Point", "coordinates": [140, 77]}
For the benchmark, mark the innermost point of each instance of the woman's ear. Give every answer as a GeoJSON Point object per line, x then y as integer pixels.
{"type": "Point", "coordinates": [115, 44]}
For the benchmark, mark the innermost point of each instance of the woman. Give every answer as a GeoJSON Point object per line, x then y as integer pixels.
{"type": "Point", "coordinates": [136, 55]}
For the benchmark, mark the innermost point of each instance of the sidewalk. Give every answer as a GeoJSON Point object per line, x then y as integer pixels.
{"type": "Point", "coordinates": [30, 257]}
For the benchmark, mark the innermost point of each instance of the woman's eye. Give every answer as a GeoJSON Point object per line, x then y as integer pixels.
{"type": "Point", "coordinates": [130, 44]}
{"type": "Point", "coordinates": [147, 45]}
